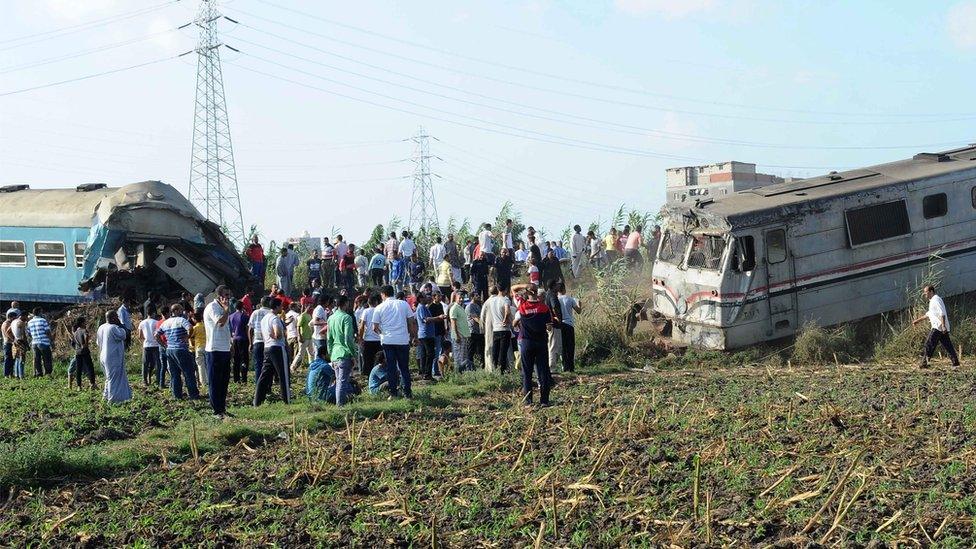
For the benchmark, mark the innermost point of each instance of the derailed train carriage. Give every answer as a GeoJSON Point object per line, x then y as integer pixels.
{"type": "Point", "coordinates": [758, 265]}
{"type": "Point", "coordinates": [86, 243]}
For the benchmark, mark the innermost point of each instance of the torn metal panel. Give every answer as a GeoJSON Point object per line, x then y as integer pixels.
{"type": "Point", "coordinates": [137, 224]}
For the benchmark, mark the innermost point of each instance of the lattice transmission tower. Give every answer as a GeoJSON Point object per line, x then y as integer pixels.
{"type": "Point", "coordinates": [213, 178]}
{"type": "Point", "coordinates": [423, 209]}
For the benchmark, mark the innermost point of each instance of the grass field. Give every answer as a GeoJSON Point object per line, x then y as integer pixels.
{"type": "Point", "coordinates": [687, 455]}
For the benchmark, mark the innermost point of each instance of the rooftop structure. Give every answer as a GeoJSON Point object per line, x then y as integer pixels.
{"type": "Point", "coordinates": [690, 183]}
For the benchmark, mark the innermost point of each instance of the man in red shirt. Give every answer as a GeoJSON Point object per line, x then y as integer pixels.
{"type": "Point", "coordinates": [255, 254]}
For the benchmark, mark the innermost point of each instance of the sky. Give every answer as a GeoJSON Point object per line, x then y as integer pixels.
{"type": "Point", "coordinates": [568, 109]}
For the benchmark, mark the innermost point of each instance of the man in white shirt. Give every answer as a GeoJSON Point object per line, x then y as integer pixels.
{"type": "Point", "coordinates": [256, 336]}
{"type": "Point", "coordinates": [215, 317]}
{"type": "Point", "coordinates": [497, 310]}
{"type": "Point", "coordinates": [320, 322]}
{"type": "Point", "coordinates": [437, 254]}
{"type": "Point", "coordinates": [485, 244]}
{"type": "Point", "coordinates": [938, 318]}
{"type": "Point", "coordinates": [407, 245]}
{"type": "Point", "coordinates": [577, 245]}
{"type": "Point", "coordinates": [151, 363]}
{"type": "Point", "coordinates": [396, 324]}
{"type": "Point", "coordinates": [569, 306]}
{"type": "Point", "coordinates": [275, 357]}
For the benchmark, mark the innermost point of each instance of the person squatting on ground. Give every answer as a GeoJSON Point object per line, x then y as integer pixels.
{"type": "Point", "coordinates": [938, 317]}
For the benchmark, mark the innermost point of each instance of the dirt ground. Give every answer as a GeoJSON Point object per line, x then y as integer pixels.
{"type": "Point", "coordinates": [842, 455]}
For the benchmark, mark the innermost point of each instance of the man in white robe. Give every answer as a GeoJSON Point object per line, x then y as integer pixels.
{"type": "Point", "coordinates": [111, 353]}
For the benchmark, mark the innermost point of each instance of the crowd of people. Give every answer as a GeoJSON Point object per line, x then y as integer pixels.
{"type": "Point", "coordinates": [362, 319]}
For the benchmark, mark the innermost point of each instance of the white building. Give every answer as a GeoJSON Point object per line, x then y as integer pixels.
{"type": "Point", "coordinates": [690, 183]}
{"type": "Point", "coordinates": [312, 243]}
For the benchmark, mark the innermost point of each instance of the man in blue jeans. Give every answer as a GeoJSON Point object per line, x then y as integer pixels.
{"type": "Point", "coordinates": [396, 324]}
{"type": "Point", "coordinates": [176, 330]}
{"type": "Point", "coordinates": [342, 346]}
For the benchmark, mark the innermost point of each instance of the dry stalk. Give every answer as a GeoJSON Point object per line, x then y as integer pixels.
{"type": "Point", "coordinates": [696, 483]}
{"type": "Point", "coordinates": [835, 492]}
{"type": "Point", "coordinates": [708, 517]}
{"type": "Point", "coordinates": [889, 522]}
{"type": "Point", "coordinates": [194, 449]}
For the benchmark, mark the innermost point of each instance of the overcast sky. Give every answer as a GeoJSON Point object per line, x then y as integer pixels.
{"type": "Point", "coordinates": [566, 108]}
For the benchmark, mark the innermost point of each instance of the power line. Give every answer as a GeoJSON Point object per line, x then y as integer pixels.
{"type": "Point", "coordinates": [575, 118]}
{"type": "Point", "coordinates": [506, 129]}
{"type": "Point", "coordinates": [601, 85]}
{"type": "Point", "coordinates": [89, 76]}
{"type": "Point", "coordinates": [106, 47]}
{"type": "Point", "coordinates": [80, 27]}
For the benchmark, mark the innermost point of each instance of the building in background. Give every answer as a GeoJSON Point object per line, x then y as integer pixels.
{"type": "Point", "coordinates": [691, 183]}
{"type": "Point", "coordinates": [312, 243]}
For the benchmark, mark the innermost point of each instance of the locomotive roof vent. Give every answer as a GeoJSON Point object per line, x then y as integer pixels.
{"type": "Point", "coordinates": [932, 157]}
{"type": "Point", "coordinates": [88, 187]}
{"type": "Point", "coordinates": [13, 188]}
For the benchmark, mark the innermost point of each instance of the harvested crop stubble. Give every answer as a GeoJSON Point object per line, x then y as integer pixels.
{"type": "Point", "coordinates": [746, 456]}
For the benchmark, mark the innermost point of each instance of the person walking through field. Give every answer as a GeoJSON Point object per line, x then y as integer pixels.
{"type": "Point", "coordinates": [255, 255]}
{"type": "Point", "coordinates": [577, 250]}
{"type": "Point", "coordinates": [938, 317]}
{"type": "Point", "coordinates": [111, 353]}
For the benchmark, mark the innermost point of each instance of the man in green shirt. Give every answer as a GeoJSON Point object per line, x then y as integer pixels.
{"type": "Point", "coordinates": [461, 331]}
{"type": "Point", "coordinates": [341, 340]}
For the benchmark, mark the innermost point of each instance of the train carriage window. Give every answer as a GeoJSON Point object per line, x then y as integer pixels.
{"type": "Point", "coordinates": [706, 252]}
{"type": "Point", "coordinates": [776, 246]}
{"type": "Point", "coordinates": [49, 254]}
{"type": "Point", "coordinates": [744, 254]}
{"type": "Point", "coordinates": [935, 205]}
{"type": "Point", "coordinates": [80, 254]}
{"type": "Point", "coordinates": [673, 247]}
{"type": "Point", "coordinates": [12, 254]}
{"type": "Point", "coordinates": [972, 194]}
{"type": "Point", "coordinates": [877, 222]}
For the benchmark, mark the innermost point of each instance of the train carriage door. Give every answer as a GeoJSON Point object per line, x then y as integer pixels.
{"type": "Point", "coordinates": [780, 283]}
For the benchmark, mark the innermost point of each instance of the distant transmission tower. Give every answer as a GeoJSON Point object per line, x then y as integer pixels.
{"type": "Point", "coordinates": [423, 210]}
{"type": "Point", "coordinates": [213, 178]}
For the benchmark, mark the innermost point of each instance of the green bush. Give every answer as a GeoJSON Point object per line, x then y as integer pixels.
{"type": "Point", "coordinates": [41, 457]}
{"type": "Point", "coordinates": [817, 345]}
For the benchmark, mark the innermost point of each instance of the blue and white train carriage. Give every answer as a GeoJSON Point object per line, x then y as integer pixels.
{"type": "Point", "coordinates": [82, 244]}
{"type": "Point", "coordinates": [759, 264]}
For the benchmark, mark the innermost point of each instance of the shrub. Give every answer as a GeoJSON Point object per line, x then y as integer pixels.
{"type": "Point", "coordinates": [41, 457]}
{"type": "Point", "coordinates": [815, 344]}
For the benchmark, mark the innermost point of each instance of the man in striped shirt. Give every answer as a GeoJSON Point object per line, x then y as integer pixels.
{"type": "Point", "coordinates": [176, 330]}
{"type": "Point", "coordinates": [40, 335]}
